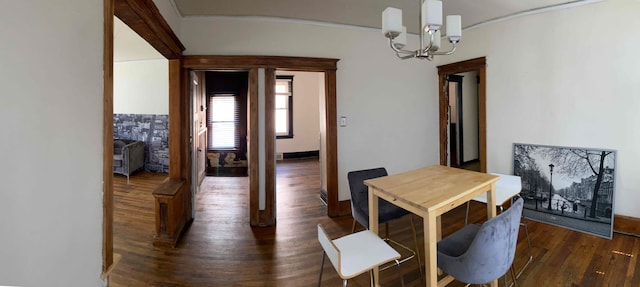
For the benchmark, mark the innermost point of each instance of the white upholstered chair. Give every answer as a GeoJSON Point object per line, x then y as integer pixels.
{"type": "Point", "coordinates": [354, 254]}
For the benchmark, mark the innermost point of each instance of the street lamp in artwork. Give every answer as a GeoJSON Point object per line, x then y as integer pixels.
{"type": "Point", "coordinates": [550, 184]}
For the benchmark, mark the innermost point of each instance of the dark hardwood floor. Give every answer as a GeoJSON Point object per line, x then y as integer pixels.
{"type": "Point", "coordinates": [221, 249]}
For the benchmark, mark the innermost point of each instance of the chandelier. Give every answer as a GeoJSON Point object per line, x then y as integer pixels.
{"type": "Point", "coordinates": [430, 24]}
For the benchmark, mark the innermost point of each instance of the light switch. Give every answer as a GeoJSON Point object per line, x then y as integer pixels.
{"type": "Point", "coordinates": [343, 121]}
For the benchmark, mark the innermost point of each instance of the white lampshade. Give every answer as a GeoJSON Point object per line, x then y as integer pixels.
{"type": "Point", "coordinates": [401, 41]}
{"type": "Point", "coordinates": [431, 15]}
{"type": "Point", "coordinates": [454, 28]}
{"type": "Point", "coordinates": [391, 21]}
{"type": "Point", "coordinates": [435, 46]}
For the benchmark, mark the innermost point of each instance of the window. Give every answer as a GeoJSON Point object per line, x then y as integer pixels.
{"type": "Point", "coordinates": [222, 121]}
{"type": "Point", "coordinates": [284, 107]}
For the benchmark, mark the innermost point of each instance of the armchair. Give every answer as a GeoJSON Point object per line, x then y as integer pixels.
{"type": "Point", "coordinates": [128, 156]}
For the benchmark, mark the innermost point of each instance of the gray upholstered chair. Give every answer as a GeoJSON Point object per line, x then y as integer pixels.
{"type": "Point", "coordinates": [128, 156]}
{"type": "Point", "coordinates": [386, 210]}
{"type": "Point", "coordinates": [478, 254]}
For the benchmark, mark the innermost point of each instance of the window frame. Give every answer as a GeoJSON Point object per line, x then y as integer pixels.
{"type": "Point", "coordinates": [289, 134]}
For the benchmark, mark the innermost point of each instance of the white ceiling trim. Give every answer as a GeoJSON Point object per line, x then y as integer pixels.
{"type": "Point", "coordinates": [551, 8]}
{"type": "Point", "coordinates": [175, 8]}
{"type": "Point", "coordinates": [286, 20]}
{"type": "Point", "coordinates": [532, 12]}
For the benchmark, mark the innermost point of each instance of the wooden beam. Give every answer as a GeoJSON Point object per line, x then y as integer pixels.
{"type": "Point", "coordinates": [248, 62]}
{"type": "Point", "coordinates": [107, 139]}
{"type": "Point", "coordinates": [145, 19]}
{"type": "Point", "coordinates": [334, 208]}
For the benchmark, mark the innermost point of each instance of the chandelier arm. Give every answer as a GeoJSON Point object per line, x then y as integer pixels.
{"type": "Point", "coordinates": [425, 51]}
{"type": "Point", "coordinates": [453, 49]}
{"type": "Point", "coordinates": [411, 56]}
{"type": "Point", "coordinates": [399, 51]}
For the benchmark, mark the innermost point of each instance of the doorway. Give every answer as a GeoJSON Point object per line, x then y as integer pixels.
{"type": "Point", "coordinates": [298, 107]}
{"type": "Point", "coordinates": [261, 126]}
{"type": "Point", "coordinates": [463, 120]}
{"type": "Point", "coordinates": [462, 99]}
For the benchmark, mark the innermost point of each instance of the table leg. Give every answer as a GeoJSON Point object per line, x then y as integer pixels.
{"type": "Point", "coordinates": [430, 249]}
{"type": "Point", "coordinates": [491, 213]}
{"type": "Point", "coordinates": [373, 226]}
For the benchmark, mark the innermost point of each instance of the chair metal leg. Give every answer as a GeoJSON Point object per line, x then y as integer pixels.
{"type": "Point", "coordinates": [466, 217]}
{"type": "Point", "coordinates": [513, 275]}
{"type": "Point", "coordinates": [344, 282]}
{"type": "Point", "coordinates": [526, 230]}
{"type": "Point", "coordinates": [321, 269]}
{"type": "Point", "coordinates": [373, 283]}
{"type": "Point", "coordinates": [415, 241]}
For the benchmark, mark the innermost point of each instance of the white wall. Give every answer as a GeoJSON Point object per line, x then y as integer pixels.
{"type": "Point", "coordinates": [391, 104]}
{"type": "Point", "coordinates": [306, 113]}
{"type": "Point", "coordinates": [567, 78]}
{"type": "Point", "coordinates": [51, 119]}
{"type": "Point", "coordinates": [141, 87]}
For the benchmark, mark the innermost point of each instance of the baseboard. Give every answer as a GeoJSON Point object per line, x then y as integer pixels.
{"type": "Point", "coordinates": [626, 225]}
{"type": "Point", "coordinates": [471, 161]}
{"type": "Point", "coordinates": [301, 154]}
{"type": "Point", "coordinates": [344, 207]}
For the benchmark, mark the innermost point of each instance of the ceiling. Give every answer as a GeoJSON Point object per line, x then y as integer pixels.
{"type": "Point", "coordinates": [366, 13]}
{"type": "Point", "coordinates": [128, 46]}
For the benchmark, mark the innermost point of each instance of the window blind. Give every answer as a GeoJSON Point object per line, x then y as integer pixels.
{"type": "Point", "coordinates": [222, 121]}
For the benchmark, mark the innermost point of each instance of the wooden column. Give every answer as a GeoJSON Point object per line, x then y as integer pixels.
{"type": "Point", "coordinates": [267, 216]}
{"type": "Point", "coordinates": [107, 140]}
{"type": "Point", "coordinates": [254, 184]}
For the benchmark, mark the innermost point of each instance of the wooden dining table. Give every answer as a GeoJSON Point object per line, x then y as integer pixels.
{"type": "Point", "coordinates": [430, 192]}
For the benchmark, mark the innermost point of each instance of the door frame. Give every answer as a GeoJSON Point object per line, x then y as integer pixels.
{"type": "Point", "coordinates": [144, 18]}
{"type": "Point", "coordinates": [270, 64]}
{"type": "Point", "coordinates": [444, 71]}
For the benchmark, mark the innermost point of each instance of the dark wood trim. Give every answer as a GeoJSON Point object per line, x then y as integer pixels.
{"type": "Point", "coordinates": [270, 146]}
{"type": "Point", "coordinates": [181, 87]}
{"type": "Point", "coordinates": [626, 224]}
{"type": "Point", "coordinates": [254, 183]}
{"type": "Point", "coordinates": [463, 66]}
{"type": "Point", "coordinates": [443, 105]}
{"type": "Point", "coordinates": [331, 115]}
{"type": "Point", "coordinates": [460, 67]}
{"type": "Point", "coordinates": [246, 62]}
{"type": "Point", "coordinates": [482, 116]}
{"type": "Point", "coordinates": [175, 118]}
{"type": "Point", "coordinates": [145, 19]}
{"type": "Point", "coordinates": [107, 139]}
{"type": "Point", "coordinates": [345, 207]}
{"type": "Point", "coordinates": [301, 154]}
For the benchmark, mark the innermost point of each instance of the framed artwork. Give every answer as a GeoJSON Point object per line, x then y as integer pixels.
{"type": "Point", "coordinates": [566, 186]}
